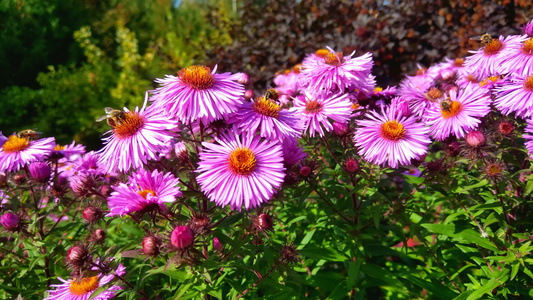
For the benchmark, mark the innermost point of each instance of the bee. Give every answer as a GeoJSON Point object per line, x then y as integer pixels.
{"type": "Point", "coordinates": [113, 116]}
{"type": "Point", "coordinates": [484, 39]}
{"type": "Point", "coordinates": [446, 105]}
{"type": "Point", "coordinates": [272, 94]}
{"type": "Point", "coordinates": [28, 134]}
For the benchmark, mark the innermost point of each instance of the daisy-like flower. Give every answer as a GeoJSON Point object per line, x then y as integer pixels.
{"type": "Point", "coordinates": [390, 139]}
{"type": "Point", "coordinates": [240, 170]}
{"type": "Point", "coordinates": [199, 93]}
{"type": "Point", "coordinates": [83, 288]}
{"type": "Point", "coordinates": [265, 115]}
{"type": "Point", "coordinates": [516, 96]}
{"type": "Point", "coordinates": [16, 152]}
{"type": "Point", "coordinates": [315, 111]}
{"type": "Point", "coordinates": [487, 61]}
{"type": "Point", "coordinates": [519, 61]}
{"type": "Point", "coordinates": [144, 191]}
{"type": "Point", "coordinates": [68, 151]}
{"type": "Point", "coordinates": [335, 72]}
{"type": "Point", "coordinates": [459, 113]}
{"type": "Point", "coordinates": [138, 135]}
{"type": "Point", "coordinates": [420, 94]}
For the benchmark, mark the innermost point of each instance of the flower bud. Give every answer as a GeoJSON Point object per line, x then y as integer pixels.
{"type": "Point", "coordinates": [249, 94]}
{"type": "Point", "coordinates": [3, 180]}
{"type": "Point", "coordinates": [217, 245]}
{"type": "Point", "coordinates": [97, 236]}
{"type": "Point", "coordinates": [181, 151]}
{"type": "Point", "coordinates": [352, 165]}
{"type": "Point", "coordinates": [182, 237]}
{"type": "Point", "coordinates": [40, 171]}
{"type": "Point", "coordinates": [289, 254]}
{"type": "Point", "coordinates": [264, 222]}
{"type": "Point", "coordinates": [82, 184]}
{"type": "Point", "coordinates": [92, 214]}
{"type": "Point", "coordinates": [341, 129]}
{"type": "Point", "coordinates": [243, 78]}
{"type": "Point", "coordinates": [305, 171]}
{"type": "Point", "coordinates": [151, 245]}
{"type": "Point", "coordinates": [454, 148]}
{"type": "Point", "coordinates": [475, 139]}
{"type": "Point", "coordinates": [19, 179]}
{"type": "Point", "coordinates": [505, 128]}
{"type": "Point", "coordinates": [77, 255]}
{"type": "Point", "coordinates": [10, 221]}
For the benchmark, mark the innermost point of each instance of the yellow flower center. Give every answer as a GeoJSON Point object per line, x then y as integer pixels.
{"type": "Point", "coordinates": [528, 84]}
{"type": "Point", "coordinates": [355, 106]}
{"type": "Point", "coordinates": [486, 80]}
{"type": "Point", "coordinates": [197, 77]}
{"type": "Point", "coordinates": [451, 109]}
{"type": "Point", "coordinates": [322, 52]}
{"type": "Point", "coordinates": [458, 62]}
{"type": "Point", "coordinates": [312, 106]}
{"type": "Point", "coordinates": [129, 125]}
{"type": "Point", "coordinates": [392, 130]}
{"type": "Point", "coordinates": [59, 148]}
{"type": "Point", "coordinates": [242, 161]}
{"type": "Point", "coordinates": [378, 90]}
{"type": "Point", "coordinates": [421, 71]}
{"type": "Point", "coordinates": [84, 285]}
{"type": "Point", "coordinates": [493, 47]}
{"type": "Point", "coordinates": [435, 93]}
{"type": "Point", "coordinates": [266, 107]}
{"type": "Point", "coordinates": [494, 169]}
{"type": "Point", "coordinates": [15, 144]}
{"type": "Point", "coordinates": [144, 193]}
{"type": "Point", "coordinates": [527, 47]}
{"type": "Point", "coordinates": [332, 59]}
{"type": "Point", "coordinates": [297, 69]}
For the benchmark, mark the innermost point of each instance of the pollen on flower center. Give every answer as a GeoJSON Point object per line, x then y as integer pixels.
{"type": "Point", "coordinates": [312, 106]}
{"type": "Point", "coordinates": [453, 110]}
{"type": "Point", "coordinates": [493, 47]}
{"type": "Point", "coordinates": [392, 130]}
{"type": "Point", "coordinates": [129, 125]}
{"type": "Point", "coordinates": [59, 148]}
{"type": "Point", "coordinates": [334, 59]}
{"type": "Point", "coordinates": [421, 71]}
{"type": "Point", "coordinates": [378, 90]}
{"type": "Point", "coordinates": [322, 52]}
{"type": "Point", "coordinates": [527, 47]}
{"type": "Point", "coordinates": [83, 286]}
{"type": "Point", "coordinates": [494, 169]}
{"type": "Point", "coordinates": [266, 107]}
{"type": "Point", "coordinates": [435, 93]}
{"type": "Point", "coordinates": [486, 80]}
{"type": "Point", "coordinates": [242, 161]}
{"type": "Point", "coordinates": [458, 62]}
{"type": "Point", "coordinates": [528, 84]}
{"type": "Point", "coordinates": [197, 77]}
{"type": "Point", "coordinates": [144, 193]}
{"type": "Point", "coordinates": [15, 144]}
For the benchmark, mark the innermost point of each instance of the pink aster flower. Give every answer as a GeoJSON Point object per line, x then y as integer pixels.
{"type": "Point", "coordinates": [267, 117]}
{"type": "Point", "coordinates": [519, 60]}
{"type": "Point", "coordinates": [487, 61]}
{"type": "Point", "coordinates": [199, 93]}
{"type": "Point", "coordinates": [528, 29]}
{"type": "Point", "coordinates": [516, 95]}
{"type": "Point", "coordinates": [459, 113]}
{"type": "Point", "coordinates": [83, 288]}
{"type": "Point", "coordinates": [316, 110]}
{"type": "Point", "coordinates": [420, 94]}
{"type": "Point", "coordinates": [335, 72]}
{"type": "Point", "coordinates": [529, 137]}
{"type": "Point", "coordinates": [139, 135]}
{"type": "Point", "coordinates": [390, 138]}
{"type": "Point", "coordinates": [143, 191]}
{"type": "Point", "coordinates": [16, 152]}
{"type": "Point", "coordinates": [292, 153]}
{"type": "Point", "coordinates": [68, 151]}
{"type": "Point", "coordinates": [240, 170]}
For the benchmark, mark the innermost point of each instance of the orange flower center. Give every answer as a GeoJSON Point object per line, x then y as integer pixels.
{"type": "Point", "coordinates": [15, 144]}
{"type": "Point", "coordinates": [84, 285]}
{"type": "Point", "coordinates": [297, 69]}
{"type": "Point", "coordinates": [129, 125]}
{"type": "Point", "coordinates": [486, 80]}
{"type": "Point", "coordinates": [144, 193]}
{"type": "Point", "coordinates": [266, 107]}
{"type": "Point", "coordinates": [493, 47]}
{"type": "Point", "coordinates": [528, 84]}
{"type": "Point", "coordinates": [197, 77]}
{"type": "Point", "coordinates": [312, 106]}
{"type": "Point", "coordinates": [242, 161]}
{"type": "Point", "coordinates": [421, 71]}
{"type": "Point", "coordinates": [322, 52]}
{"type": "Point", "coordinates": [471, 78]}
{"type": "Point", "coordinates": [527, 47]}
{"type": "Point", "coordinates": [355, 106]}
{"type": "Point", "coordinates": [392, 130]}
{"type": "Point", "coordinates": [59, 148]}
{"type": "Point", "coordinates": [378, 90]}
{"type": "Point", "coordinates": [494, 169]}
{"type": "Point", "coordinates": [458, 62]}
{"type": "Point", "coordinates": [451, 109]}
{"type": "Point", "coordinates": [333, 59]}
{"type": "Point", "coordinates": [435, 93]}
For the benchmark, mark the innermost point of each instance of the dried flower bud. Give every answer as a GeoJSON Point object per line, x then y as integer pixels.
{"type": "Point", "coordinates": [341, 129]}
{"type": "Point", "coordinates": [40, 171]}
{"type": "Point", "coordinates": [305, 171]}
{"type": "Point", "coordinates": [454, 148]}
{"type": "Point", "coordinates": [475, 139]}
{"type": "Point", "coordinates": [97, 236]}
{"type": "Point", "coordinates": [217, 245]}
{"type": "Point", "coordinates": [19, 179]}
{"type": "Point", "coordinates": [150, 245]}
{"type": "Point", "coordinates": [77, 256]}
{"type": "Point", "coordinates": [289, 254]}
{"type": "Point", "coordinates": [92, 214]}
{"type": "Point", "coordinates": [10, 222]}
{"type": "Point", "coordinates": [352, 165]}
{"type": "Point", "coordinates": [182, 237]}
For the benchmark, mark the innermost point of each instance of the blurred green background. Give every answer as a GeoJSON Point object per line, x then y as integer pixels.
{"type": "Point", "coordinates": [63, 61]}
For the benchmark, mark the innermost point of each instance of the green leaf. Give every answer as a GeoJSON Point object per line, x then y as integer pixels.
{"type": "Point", "coordinates": [380, 273]}
{"type": "Point", "coordinates": [436, 288]}
{"type": "Point", "coordinates": [307, 238]}
{"type": "Point", "coordinates": [484, 289]}
{"type": "Point", "coordinates": [461, 233]}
